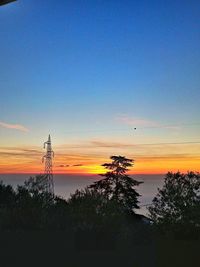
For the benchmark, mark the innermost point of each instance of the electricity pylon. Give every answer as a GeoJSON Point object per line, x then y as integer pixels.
{"type": "Point", "coordinates": [48, 173]}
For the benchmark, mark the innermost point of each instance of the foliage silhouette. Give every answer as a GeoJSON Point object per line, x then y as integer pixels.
{"type": "Point", "coordinates": [36, 184]}
{"type": "Point", "coordinates": [177, 205]}
{"type": "Point", "coordinates": [7, 195]}
{"type": "Point", "coordinates": [93, 220]}
{"type": "Point", "coordinates": [92, 210]}
{"type": "Point", "coordinates": [117, 185]}
{"type": "Point", "coordinates": [7, 203]}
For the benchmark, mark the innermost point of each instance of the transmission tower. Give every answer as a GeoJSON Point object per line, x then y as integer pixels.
{"type": "Point", "coordinates": [48, 173]}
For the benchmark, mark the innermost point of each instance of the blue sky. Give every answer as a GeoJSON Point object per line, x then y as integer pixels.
{"type": "Point", "coordinates": [85, 65]}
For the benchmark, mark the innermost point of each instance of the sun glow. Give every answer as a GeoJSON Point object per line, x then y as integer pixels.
{"type": "Point", "coordinates": [23, 160]}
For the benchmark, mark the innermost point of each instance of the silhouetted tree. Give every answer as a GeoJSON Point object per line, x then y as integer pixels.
{"type": "Point", "coordinates": [56, 214]}
{"type": "Point", "coordinates": [7, 196]}
{"type": "Point", "coordinates": [177, 204]}
{"type": "Point", "coordinates": [89, 208]}
{"type": "Point", "coordinates": [97, 221]}
{"type": "Point", "coordinates": [7, 204]}
{"type": "Point", "coordinates": [117, 185]}
{"type": "Point", "coordinates": [36, 184]}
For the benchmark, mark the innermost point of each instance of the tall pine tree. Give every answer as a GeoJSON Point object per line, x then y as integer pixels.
{"type": "Point", "coordinates": [117, 185]}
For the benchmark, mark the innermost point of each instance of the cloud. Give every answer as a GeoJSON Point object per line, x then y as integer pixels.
{"type": "Point", "coordinates": [9, 152]}
{"type": "Point", "coordinates": [139, 122]}
{"type": "Point", "coordinates": [75, 165]}
{"type": "Point", "coordinates": [136, 121]}
{"type": "Point", "coordinates": [105, 144]}
{"type": "Point", "coordinates": [62, 166]}
{"type": "Point", "coordinates": [13, 126]}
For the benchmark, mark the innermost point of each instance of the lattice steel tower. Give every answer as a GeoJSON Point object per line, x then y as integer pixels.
{"type": "Point", "coordinates": [47, 158]}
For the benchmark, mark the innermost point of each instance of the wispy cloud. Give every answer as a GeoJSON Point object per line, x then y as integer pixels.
{"type": "Point", "coordinates": [13, 126]}
{"type": "Point", "coordinates": [135, 121]}
{"type": "Point", "coordinates": [20, 152]}
{"type": "Point", "coordinates": [104, 144]}
{"type": "Point", "coordinates": [62, 165]}
{"type": "Point", "coordinates": [140, 122]}
{"type": "Point", "coordinates": [158, 145]}
{"type": "Point", "coordinates": [74, 165]}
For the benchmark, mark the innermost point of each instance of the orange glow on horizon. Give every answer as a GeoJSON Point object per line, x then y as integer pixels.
{"type": "Point", "coordinates": [157, 161]}
{"type": "Point", "coordinates": [153, 166]}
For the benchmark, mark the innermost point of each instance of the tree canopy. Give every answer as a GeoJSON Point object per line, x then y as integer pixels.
{"type": "Point", "coordinates": [178, 202]}
{"type": "Point", "coordinates": [117, 185]}
{"type": "Point", "coordinates": [36, 183]}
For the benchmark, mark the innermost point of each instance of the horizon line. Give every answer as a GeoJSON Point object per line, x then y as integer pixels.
{"type": "Point", "coordinates": [86, 174]}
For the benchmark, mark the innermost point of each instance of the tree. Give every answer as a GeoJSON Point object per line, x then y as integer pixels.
{"type": "Point", "coordinates": [7, 196]}
{"type": "Point", "coordinates": [86, 208]}
{"type": "Point", "coordinates": [7, 204]}
{"type": "Point", "coordinates": [57, 216]}
{"type": "Point", "coordinates": [117, 185]}
{"type": "Point", "coordinates": [178, 202]}
{"type": "Point", "coordinates": [36, 184]}
{"type": "Point", "coordinates": [96, 220]}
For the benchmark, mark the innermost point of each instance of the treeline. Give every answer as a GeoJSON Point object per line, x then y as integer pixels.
{"type": "Point", "coordinates": [105, 209]}
{"type": "Point", "coordinates": [112, 200]}
{"type": "Point", "coordinates": [104, 215]}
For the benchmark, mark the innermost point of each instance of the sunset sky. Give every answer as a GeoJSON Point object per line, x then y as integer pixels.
{"type": "Point", "coordinates": [88, 73]}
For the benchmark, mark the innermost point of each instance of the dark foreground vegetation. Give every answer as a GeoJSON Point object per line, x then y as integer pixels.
{"type": "Point", "coordinates": [99, 226]}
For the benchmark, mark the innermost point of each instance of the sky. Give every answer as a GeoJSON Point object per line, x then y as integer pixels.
{"type": "Point", "coordinates": [88, 73]}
